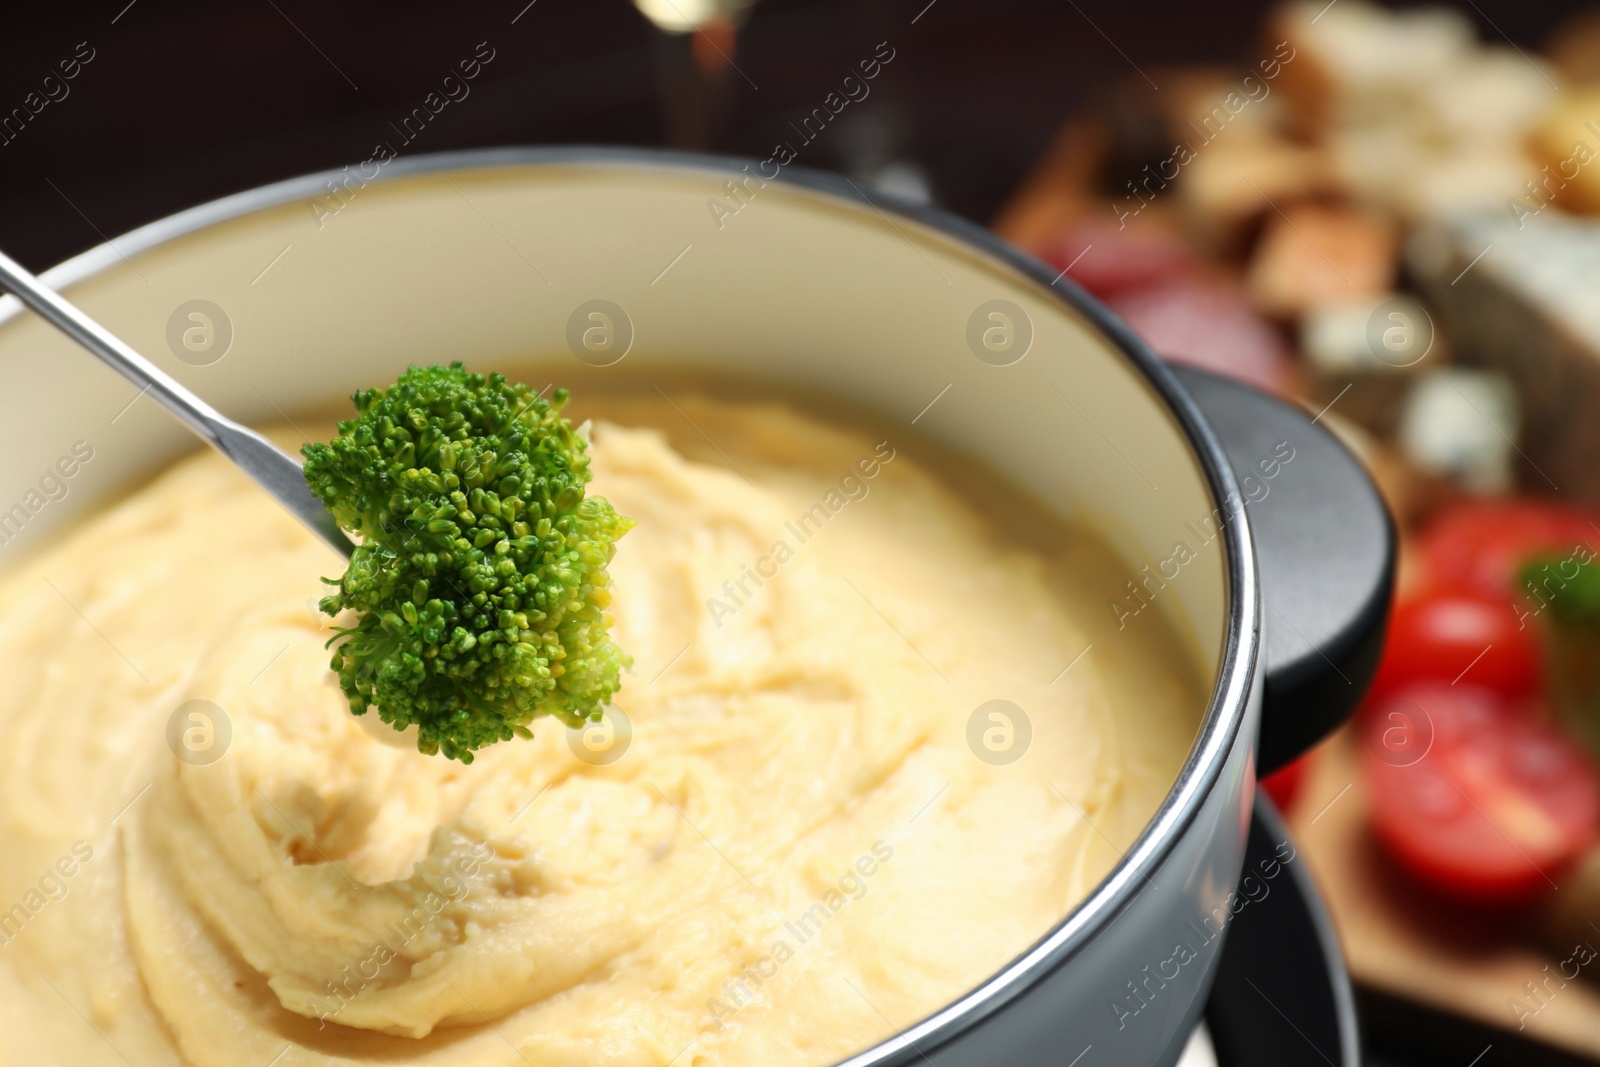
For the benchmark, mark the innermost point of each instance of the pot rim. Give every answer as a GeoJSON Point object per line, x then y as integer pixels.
{"type": "Point", "coordinates": [1226, 706]}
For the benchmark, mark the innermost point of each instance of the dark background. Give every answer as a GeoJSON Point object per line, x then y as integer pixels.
{"type": "Point", "coordinates": [185, 102]}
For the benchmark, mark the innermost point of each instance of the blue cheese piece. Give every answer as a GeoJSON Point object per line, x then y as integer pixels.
{"type": "Point", "coordinates": [1521, 295]}
{"type": "Point", "coordinates": [1363, 354]}
{"type": "Point", "coordinates": [1462, 425]}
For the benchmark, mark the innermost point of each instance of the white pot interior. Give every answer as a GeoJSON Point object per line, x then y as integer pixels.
{"type": "Point", "coordinates": [797, 292]}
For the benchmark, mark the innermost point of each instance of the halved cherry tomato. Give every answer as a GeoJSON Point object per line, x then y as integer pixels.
{"type": "Point", "coordinates": [1448, 636]}
{"type": "Point", "coordinates": [1480, 546]}
{"type": "Point", "coordinates": [1283, 785]}
{"type": "Point", "coordinates": [1474, 799]}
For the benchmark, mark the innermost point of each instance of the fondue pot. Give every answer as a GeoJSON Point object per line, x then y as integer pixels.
{"type": "Point", "coordinates": [1236, 516]}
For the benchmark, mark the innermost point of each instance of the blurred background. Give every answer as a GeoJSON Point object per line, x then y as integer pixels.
{"type": "Point", "coordinates": [1386, 214]}
{"type": "Point", "coordinates": [185, 102]}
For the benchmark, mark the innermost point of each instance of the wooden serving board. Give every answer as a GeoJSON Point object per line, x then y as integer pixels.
{"type": "Point", "coordinates": [1403, 940]}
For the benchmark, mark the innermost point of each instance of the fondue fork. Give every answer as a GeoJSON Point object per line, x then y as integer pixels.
{"type": "Point", "coordinates": [268, 465]}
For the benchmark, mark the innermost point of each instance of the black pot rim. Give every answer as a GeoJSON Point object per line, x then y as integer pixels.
{"type": "Point", "coordinates": [1237, 665]}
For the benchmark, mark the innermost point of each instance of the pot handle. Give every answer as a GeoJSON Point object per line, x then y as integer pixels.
{"type": "Point", "coordinates": [1325, 551]}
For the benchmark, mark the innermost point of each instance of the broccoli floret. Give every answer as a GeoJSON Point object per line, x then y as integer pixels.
{"type": "Point", "coordinates": [1569, 586]}
{"type": "Point", "coordinates": [479, 577]}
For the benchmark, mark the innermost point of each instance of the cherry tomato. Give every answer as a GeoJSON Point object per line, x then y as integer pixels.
{"type": "Point", "coordinates": [1480, 546]}
{"type": "Point", "coordinates": [1446, 636]}
{"type": "Point", "coordinates": [1477, 801]}
{"type": "Point", "coordinates": [1283, 785]}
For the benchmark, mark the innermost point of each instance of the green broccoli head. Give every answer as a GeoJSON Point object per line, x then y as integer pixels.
{"type": "Point", "coordinates": [480, 576]}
